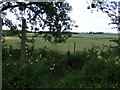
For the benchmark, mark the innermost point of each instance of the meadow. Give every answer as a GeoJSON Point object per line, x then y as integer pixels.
{"type": "Point", "coordinates": [94, 64]}
{"type": "Point", "coordinates": [82, 41]}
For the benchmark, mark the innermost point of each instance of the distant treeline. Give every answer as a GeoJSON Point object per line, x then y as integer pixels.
{"type": "Point", "coordinates": [48, 32]}
{"type": "Point", "coordinates": [10, 32]}
{"type": "Point", "coordinates": [15, 32]}
{"type": "Point", "coordinates": [96, 33]}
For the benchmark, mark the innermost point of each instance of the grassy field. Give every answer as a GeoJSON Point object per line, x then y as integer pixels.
{"type": "Point", "coordinates": [92, 68]}
{"type": "Point", "coordinates": [82, 41]}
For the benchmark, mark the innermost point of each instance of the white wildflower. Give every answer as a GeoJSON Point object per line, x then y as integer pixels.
{"type": "Point", "coordinates": [117, 57]}
{"type": "Point", "coordinates": [26, 50]}
{"type": "Point", "coordinates": [8, 64]}
{"type": "Point", "coordinates": [10, 55]}
{"type": "Point", "coordinates": [14, 63]}
{"type": "Point", "coordinates": [27, 54]}
{"type": "Point", "coordinates": [51, 69]}
{"type": "Point", "coordinates": [40, 56]}
{"type": "Point", "coordinates": [116, 62]}
{"type": "Point", "coordinates": [31, 62]}
{"type": "Point", "coordinates": [53, 64]}
{"type": "Point", "coordinates": [106, 60]}
{"type": "Point", "coordinates": [99, 56]}
{"type": "Point", "coordinates": [98, 53]}
{"type": "Point", "coordinates": [37, 60]}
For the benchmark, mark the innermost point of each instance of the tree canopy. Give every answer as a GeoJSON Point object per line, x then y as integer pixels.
{"type": "Point", "coordinates": [108, 7]}
{"type": "Point", "coordinates": [53, 15]}
{"type": "Point", "coordinates": [112, 8]}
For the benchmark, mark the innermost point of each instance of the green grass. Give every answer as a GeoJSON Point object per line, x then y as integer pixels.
{"type": "Point", "coordinates": [82, 41]}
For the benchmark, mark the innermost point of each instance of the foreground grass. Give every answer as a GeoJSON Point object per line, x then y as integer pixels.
{"type": "Point", "coordinates": [98, 67]}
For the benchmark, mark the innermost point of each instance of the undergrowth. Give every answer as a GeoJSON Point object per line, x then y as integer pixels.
{"type": "Point", "coordinates": [98, 67]}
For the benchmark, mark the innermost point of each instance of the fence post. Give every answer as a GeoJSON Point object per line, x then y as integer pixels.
{"type": "Point", "coordinates": [23, 39]}
{"type": "Point", "coordinates": [1, 50]}
{"type": "Point", "coordinates": [74, 47]}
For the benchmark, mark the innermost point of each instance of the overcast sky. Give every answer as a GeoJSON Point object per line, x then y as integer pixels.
{"type": "Point", "coordinates": [87, 21]}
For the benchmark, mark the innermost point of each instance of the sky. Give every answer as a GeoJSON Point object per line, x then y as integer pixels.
{"type": "Point", "coordinates": [87, 21]}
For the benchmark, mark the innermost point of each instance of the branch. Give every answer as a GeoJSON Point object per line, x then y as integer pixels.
{"type": "Point", "coordinates": [13, 6]}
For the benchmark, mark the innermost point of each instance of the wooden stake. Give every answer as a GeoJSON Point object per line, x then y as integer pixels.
{"type": "Point", "coordinates": [23, 39]}
{"type": "Point", "coordinates": [74, 46]}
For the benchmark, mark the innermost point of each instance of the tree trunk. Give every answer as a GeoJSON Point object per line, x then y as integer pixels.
{"type": "Point", "coordinates": [0, 51]}
{"type": "Point", "coordinates": [23, 39]}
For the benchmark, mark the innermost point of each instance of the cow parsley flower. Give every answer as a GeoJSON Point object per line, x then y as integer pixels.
{"type": "Point", "coordinates": [31, 62]}
{"type": "Point", "coordinates": [51, 69]}
{"type": "Point", "coordinates": [14, 63]}
{"type": "Point", "coordinates": [53, 64]}
{"type": "Point", "coordinates": [8, 64]}
{"type": "Point", "coordinates": [37, 60]}
{"type": "Point", "coordinates": [99, 56]}
{"type": "Point", "coordinates": [40, 56]}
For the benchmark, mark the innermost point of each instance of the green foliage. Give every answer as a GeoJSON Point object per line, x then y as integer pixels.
{"type": "Point", "coordinates": [9, 33]}
{"type": "Point", "coordinates": [96, 72]}
{"type": "Point", "coordinates": [55, 18]}
{"type": "Point", "coordinates": [97, 67]}
{"type": "Point", "coordinates": [117, 48]}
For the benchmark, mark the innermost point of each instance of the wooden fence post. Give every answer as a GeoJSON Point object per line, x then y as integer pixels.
{"type": "Point", "coordinates": [74, 46]}
{"type": "Point", "coordinates": [1, 50]}
{"type": "Point", "coordinates": [23, 39]}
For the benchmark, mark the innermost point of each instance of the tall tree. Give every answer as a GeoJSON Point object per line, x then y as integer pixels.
{"type": "Point", "coordinates": [53, 15]}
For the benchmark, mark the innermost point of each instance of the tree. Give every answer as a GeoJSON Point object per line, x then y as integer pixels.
{"type": "Point", "coordinates": [112, 9]}
{"type": "Point", "coordinates": [45, 14]}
